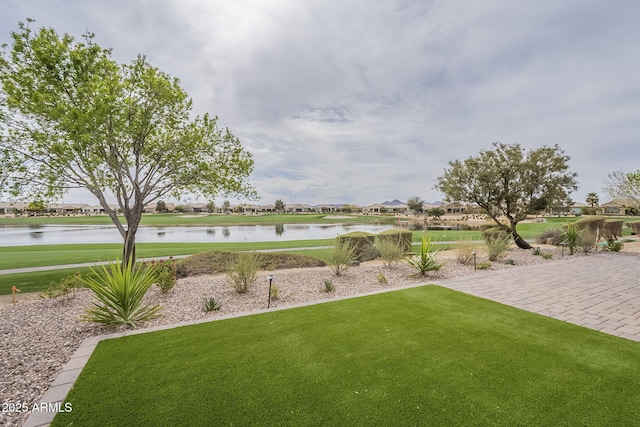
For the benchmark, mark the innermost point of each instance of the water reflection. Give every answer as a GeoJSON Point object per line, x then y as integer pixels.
{"type": "Point", "coordinates": [58, 234]}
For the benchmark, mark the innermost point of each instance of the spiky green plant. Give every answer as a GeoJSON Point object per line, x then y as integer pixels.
{"type": "Point", "coordinates": [572, 237]}
{"type": "Point", "coordinates": [425, 261]}
{"type": "Point", "coordinates": [120, 291]}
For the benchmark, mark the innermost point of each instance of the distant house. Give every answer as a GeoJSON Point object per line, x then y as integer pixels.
{"type": "Point", "coordinates": [9, 207]}
{"type": "Point", "coordinates": [620, 207]}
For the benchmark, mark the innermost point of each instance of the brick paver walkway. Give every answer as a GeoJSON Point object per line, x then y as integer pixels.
{"type": "Point", "coordinates": [599, 291]}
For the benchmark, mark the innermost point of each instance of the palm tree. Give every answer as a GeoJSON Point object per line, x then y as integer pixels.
{"type": "Point", "coordinates": [593, 199]}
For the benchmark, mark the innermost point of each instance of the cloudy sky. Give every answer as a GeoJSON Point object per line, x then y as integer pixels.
{"type": "Point", "coordinates": [353, 101]}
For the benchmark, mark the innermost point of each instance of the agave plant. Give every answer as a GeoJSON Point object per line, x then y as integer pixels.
{"type": "Point", "coordinates": [425, 261]}
{"type": "Point", "coordinates": [120, 291]}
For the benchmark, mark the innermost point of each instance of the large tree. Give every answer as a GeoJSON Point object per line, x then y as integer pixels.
{"type": "Point", "coordinates": [624, 185]}
{"type": "Point", "coordinates": [415, 204]}
{"type": "Point", "coordinates": [71, 117]}
{"type": "Point", "coordinates": [506, 181]}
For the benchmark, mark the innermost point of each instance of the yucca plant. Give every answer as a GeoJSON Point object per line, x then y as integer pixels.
{"type": "Point", "coordinates": [120, 291]}
{"type": "Point", "coordinates": [572, 237]}
{"type": "Point", "coordinates": [425, 261]}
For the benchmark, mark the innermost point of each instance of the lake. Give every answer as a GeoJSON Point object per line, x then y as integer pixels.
{"type": "Point", "coordinates": [68, 234]}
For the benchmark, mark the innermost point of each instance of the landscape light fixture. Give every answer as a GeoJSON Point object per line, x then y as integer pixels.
{"type": "Point", "coordinates": [270, 278]}
{"type": "Point", "coordinates": [474, 260]}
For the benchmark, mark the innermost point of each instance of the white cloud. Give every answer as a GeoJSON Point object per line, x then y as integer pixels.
{"type": "Point", "coordinates": [350, 101]}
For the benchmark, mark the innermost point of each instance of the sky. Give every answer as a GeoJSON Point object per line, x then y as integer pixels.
{"type": "Point", "coordinates": [354, 101]}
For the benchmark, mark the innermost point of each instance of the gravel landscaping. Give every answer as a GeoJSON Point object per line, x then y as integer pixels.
{"type": "Point", "coordinates": [38, 336]}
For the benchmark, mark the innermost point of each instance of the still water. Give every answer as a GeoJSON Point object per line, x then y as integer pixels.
{"type": "Point", "coordinates": [64, 234]}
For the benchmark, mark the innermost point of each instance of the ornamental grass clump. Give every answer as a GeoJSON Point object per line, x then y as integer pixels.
{"type": "Point", "coordinates": [341, 257]}
{"type": "Point", "coordinates": [497, 241]}
{"type": "Point", "coordinates": [242, 271]}
{"type": "Point", "coordinates": [390, 251]}
{"type": "Point", "coordinates": [120, 291]}
{"type": "Point", "coordinates": [425, 261]}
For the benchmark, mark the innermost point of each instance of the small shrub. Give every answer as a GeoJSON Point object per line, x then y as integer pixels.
{"type": "Point", "coordinates": [120, 291]}
{"type": "Point", "coordinates": [635, 226]}
{"type": "Point", "coordinates": [612, 229]}
{"type": "Point", "coordinates": [593, 223]}
{"type": "Point", "coordinates": [536, 251]}
{"type": "Point", "coordinates": [361, 242]}
{"type": "Point", "coordinates": [241, 272]}
{"type": "Point", "coordinates": [464, 250]}
{"type": "Point", "coordinates": [164, 272]}
{"type": "Point", "coordinates": [382, 278]}
{"type": "Point", "coordinates": [425, 261]}
{"type": "Point", "coordinates": [483, 265]}
{"type": "Point", "coordinates": [65, 288]}
{"type": "Point", "coordinates": [390, 251]}
{"type": "Point", "coordinates": [550, 233]}
{"type": "Point", "coordinates": [497, 241]}
{"type": "Point", "coordinates": [547, 256]}
{"type": "Point", "coordinates": [587, 241]}
{"type": "Point", "coordinates": [328, 286]}
{"type": "Point", "coordinates": [510, 261]}
{"type": "Point", "coordinates": [341, 257]}
{"type": "Point", "coordinates": [211, 304]}
{"type": "Point", "coordinates": [274, 292]}
{"type": "Point", "coordinates": [398, 236]}
{"type": "Point", "coordinates": [613, 245]}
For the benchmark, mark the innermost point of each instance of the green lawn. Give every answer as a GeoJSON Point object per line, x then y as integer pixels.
{"type": "Point", "coordinates": [421, 356]}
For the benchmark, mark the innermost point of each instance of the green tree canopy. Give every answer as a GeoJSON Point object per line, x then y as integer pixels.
{"type": "Point", "coordinates": [507, 181]}
{"type": "Point", "coordinates": [71, 117]}
{"type": "Point", "coordinates": [279, 206]}
{"type": "Point", "coordinates": [415, 204]}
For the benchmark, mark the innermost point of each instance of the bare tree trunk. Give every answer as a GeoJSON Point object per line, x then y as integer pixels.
{"type": "Point", "coordinates": [522, 244]}
{"type": "Point", "coordinates": [129, 248]}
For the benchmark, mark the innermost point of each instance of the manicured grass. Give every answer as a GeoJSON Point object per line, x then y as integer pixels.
{"type": "Point", "coordinates": [34, 256]}
{"type": "Point", "coordinates": [37, 281]}
{"type": "Point", "coordinates": [422, 356]}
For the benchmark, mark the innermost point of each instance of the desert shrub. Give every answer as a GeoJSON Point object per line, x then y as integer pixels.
{"type": "Point", "coordinates": [382, 278]}
{"type": "Point", "coordinates": [164, 272]}
{"type": "Point", "coordinates": [593, 223]}
{"type": "Point", "coordinates": [120, 291]}
{"type": "Point", "coordinates": [464, 250]}
{"type": "Point", "coordinates": [536, 251]}
{"type": "Point", "coordinates": [242, 271]}
{"type": "Point", "coordinates": [397, 236]}
{"type": "Point", "coordinates": [425, 261]}
{"type": "Point", "coordinates": [613, 245]}
{"type": "Point", "coordinates": [391, 251]}
{"type": "Point", "coordinates": [550, 233]}
{"type": "Point", "coordinates": [360, 241]}
{"type": "Point", "coordinates": [274, 292]}
{"type": "Point", "coordinates": [214, 262]}
{"type": "Point", "coordinates": [483, 265]}
{"type": "Point", "coordinates": [510, 261]}
{"type": "Point", "coordinates": [328, 286]}
{"type": "Point", "coordinates": [65, 288]}
{"type": "Point", "coordinates": [211, 304]}
{"type": "Point", "coordinates": [547, 256]}
{"type": "Point", "coordinates": [497, 242]}
{"type": "Point", "coordinates": [635, 226]}
{"type": "Point", "coordinates": [612, 229]}
{"type": "Point", "coordinates": [587, 241]}
{"type": "Point", "coordinates": [341, 257]}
